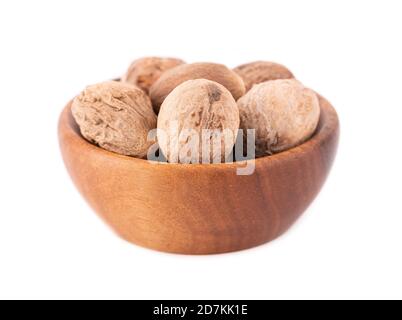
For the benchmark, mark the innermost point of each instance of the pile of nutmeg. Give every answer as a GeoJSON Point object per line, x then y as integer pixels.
{"type": "Point", "coordinates": [186, 104]}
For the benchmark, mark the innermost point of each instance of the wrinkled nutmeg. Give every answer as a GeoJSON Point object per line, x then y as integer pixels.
{"type": "Point", "coordinates": [194, 107]}
{"type": "Point", "coordinates": [283, 112]}
{"type": "Point", "coordinates": [145, 71]}
{"type": "Point", "coordinates": [260, 71]}
{"type": "Point", "coordinates": [210, 71]}
{"type": "Point", "coordinates": [117, 116]}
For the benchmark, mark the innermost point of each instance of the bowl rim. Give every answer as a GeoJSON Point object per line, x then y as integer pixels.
{"type": "Point", "coordinates": [328, 125]}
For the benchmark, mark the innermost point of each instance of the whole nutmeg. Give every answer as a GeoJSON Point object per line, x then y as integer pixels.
{"type": "Point", "coordinates": [198, 122]}
{"type": "Point", "coordinates": [145, 71]}
{"type": "Point", "coordinates": [283, 112]}
{"type": "Point", "coordinates": [117, 116]}
{"type": "Point", "coordinates": [210, 71]}
{"type": "Point", "coordinates": [260, 71]}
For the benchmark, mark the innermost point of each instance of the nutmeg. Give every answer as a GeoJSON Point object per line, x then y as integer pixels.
{"type": "Point", "coordinates": [210, 71]}
{"type": "Point", "coordinates": [200, 109]}
{"type": "Point", "coordinates": [117, 116]}
{"type": "Point", "coordinates": [145, 71]}
{"type": "Point", "coordinates": [260, 71]}
{"type": "Point", "coordinates": [283, 113]}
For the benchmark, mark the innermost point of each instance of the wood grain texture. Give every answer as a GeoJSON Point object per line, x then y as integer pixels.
{"type": "Point", "coordinates": [200, 209]}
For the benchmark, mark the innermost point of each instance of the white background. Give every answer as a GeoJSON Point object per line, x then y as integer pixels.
{"type": "Point", "coordinates": [347, 245]}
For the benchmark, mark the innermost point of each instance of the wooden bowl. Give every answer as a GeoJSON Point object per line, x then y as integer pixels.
{"type": "Point", "coordinates": [200, 209]}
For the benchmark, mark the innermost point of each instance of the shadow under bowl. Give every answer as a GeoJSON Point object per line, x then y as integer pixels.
{"type": "Point", "coordinates": [200, 209]}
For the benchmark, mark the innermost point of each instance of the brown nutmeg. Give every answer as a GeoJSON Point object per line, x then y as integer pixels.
{"type": "Point", "coordinates": [116, 116]}
{"type": "Point", "coordinates": [283, 113]}
{"type": "Point", "coordinates": [260, 71]}
{"type": "Point", "coordinates": [210, 71]}
{"type": "Point", "coordinates": [201, 112]}
{"type": "Point", "coordinates": [145, 71]}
